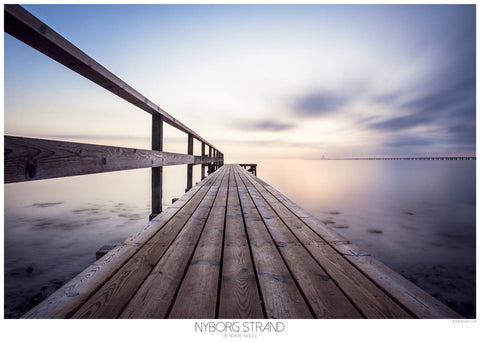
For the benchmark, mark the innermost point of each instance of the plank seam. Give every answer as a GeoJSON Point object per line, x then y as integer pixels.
{"type": "Point", "coordinates": [220, 271]}
{"type": "Point", "coordinates": [262, 302]}
{"type": "Point", "coordinates": [140, 284]}
{"type": "Point", "coordinates": [281, 255]}
{"type": "Point", "coordinates": [98, 286]}
{"type": "Point", "coordinates": [308, 251]}
{"type": "Point", "coordinates": [193, 251]}
{"type": "Point", "coordinates": [386, 292]}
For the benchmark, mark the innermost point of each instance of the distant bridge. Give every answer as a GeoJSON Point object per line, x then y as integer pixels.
{"type": "Point", "coordinates": [406, 158]}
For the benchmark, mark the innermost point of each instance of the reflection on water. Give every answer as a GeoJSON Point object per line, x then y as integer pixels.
{"type": "Point", "coordinates": [53, 228]}
{"type": "Point", "coordinates": [418, 217]}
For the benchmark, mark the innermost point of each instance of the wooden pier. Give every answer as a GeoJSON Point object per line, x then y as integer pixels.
{"type": "Point", "coordinates": [235, 247]}
{"type": "Point", "coordinates": [231, 247]}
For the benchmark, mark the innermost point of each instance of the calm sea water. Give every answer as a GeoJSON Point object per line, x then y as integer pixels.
{"type": "Point", "coordinates": [417, 217]}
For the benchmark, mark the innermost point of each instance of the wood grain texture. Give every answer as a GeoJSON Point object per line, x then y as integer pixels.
{"type": "Point", "coordinates": [28, 159]}
{"type": "Point", "coordinates": [324, 297]}
{"type": "Point", "coordinates": [197, 297]}
{"type": "Point", "coordinates": [418, 302]}
{"type": "Point", "coordinates": [157, 172]}
{"type": "Point", "coordinates": [281, 297]}
{"type": "Point", "coordinates": [234, 247]}
{"type": "Point", "coordinates": [66, 300]}
{"type": "Point", "coordinates": [113, 296]}
{"type": "Point", "coordinates": [369, 299]}
{"type": "Point", "coordinates": [203, 165]}
{"type": "Point", "coordinates": [190, 166]}
{"type": "Point", "coordinates": [22, 25]}
{"type": "Point", "coordinates": [155, 296]}
{"type": "Point", "coordinates": [239, 294]}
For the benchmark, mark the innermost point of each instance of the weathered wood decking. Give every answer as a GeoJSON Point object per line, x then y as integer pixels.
{"type": "Point", "coordinates": [234, 247]}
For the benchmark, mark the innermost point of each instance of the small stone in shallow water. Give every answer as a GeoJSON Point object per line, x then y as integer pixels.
{"type": "Point", "coordinates": [341, 226]}
{"type": "Point", "coordinates": [47, 204]}
{"type": "Point", "coordinates": [35, 300]}
{"type": "Point", "coordinates": [334, 212]}
{"type": "Point", "coordinates": [375, 231]}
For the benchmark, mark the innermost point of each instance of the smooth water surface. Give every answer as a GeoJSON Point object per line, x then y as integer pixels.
{"type": "Point", "coordinates": [53, 228]}
{"type": "Point", "coordinates": [417, 217]}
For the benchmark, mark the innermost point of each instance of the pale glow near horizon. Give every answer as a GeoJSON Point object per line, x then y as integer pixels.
{"type": "Point", "coordinates": [257, 81]}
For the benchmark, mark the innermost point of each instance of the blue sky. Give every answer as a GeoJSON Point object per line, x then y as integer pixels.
{"type": "Point", "coordinates": [271, 81]}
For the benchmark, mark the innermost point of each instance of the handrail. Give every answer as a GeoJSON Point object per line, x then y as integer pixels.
{"type": "Point", "coordinates": [22, 25]}
{"type": "Point", "coordinates": [29, 159]}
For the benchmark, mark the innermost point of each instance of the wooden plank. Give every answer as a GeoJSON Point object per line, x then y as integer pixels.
{"type": "Point", "coordinates": [197, 297]}
{"type": "Point", "coordinates": [22, 25]}
{"type": "Point", "coordinates": [239, 295]}
{"type": "Point", "coordinates": [406, 293]}
{"type": "Point", "coordinates": [322, 294]}
{"type": "Point", "coordinates": [28, 159]}
{"type": "Point", "coordinates": [419, 303]}
{"type": "Point", "coordinates": [368, 298]}
{"type": "Point", "coordinates": [66, 300]}
{"type": "Point", "coordinates": [422, 304]}
{"type": "Point", "coordinates": [155, 296]}
{"type": "Point", "coordinates": [281, 297]}
{"type": "Point", "coordinates": [115, 293]}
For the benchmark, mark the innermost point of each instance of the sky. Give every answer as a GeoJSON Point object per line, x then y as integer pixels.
{"type": "Point", "coordinates": [257, 81]}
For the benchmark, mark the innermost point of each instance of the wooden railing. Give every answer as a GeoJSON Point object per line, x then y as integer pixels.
{"type": "Point", "coordinates": [250, 167]}
{"type": "Point", "coordinates": [29, 159]}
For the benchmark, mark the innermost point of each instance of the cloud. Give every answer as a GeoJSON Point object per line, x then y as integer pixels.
{"type": "Point", "coordinates": [443, 98]}
{"type": "Point", "coordinates": [464, 139]}
{"type": "Point", "coordinates": [318, 104]}
{"type": "Point", "coordinates": [406, 141]}
{"type": "Point", "coordinates": [438, 106]}
{"type": "Point", "coordinates": [461, 134]}
{"type": "Point", "coordinates": [267, 125]}
{"type": "Point", "coordinates": [387, 98]}
{"type": "Point", "coordinates": [402, 123]}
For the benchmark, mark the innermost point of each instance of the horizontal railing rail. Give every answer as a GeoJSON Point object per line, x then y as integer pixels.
{"type": "Point", "coordinates": [28, 159]}
{"type": "Point", "coordinates": [22, 25]}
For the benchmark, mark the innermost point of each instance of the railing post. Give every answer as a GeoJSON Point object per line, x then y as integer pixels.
{"type": "Point", "coordinates": [215, 156]}
{"type": "Point", "coordinates": [210, 164]}
{"type": "Point", "coordinates": [157, 172]}
{"type": "Point", "coordinates": [203, 165]}
{"type": "Point", "coordinates": [190, 166]}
